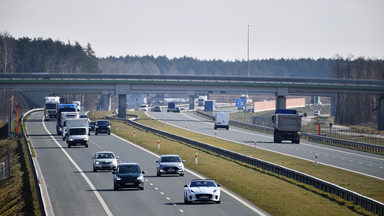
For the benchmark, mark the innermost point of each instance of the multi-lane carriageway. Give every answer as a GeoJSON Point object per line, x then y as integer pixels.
{"type": "Point", "coordinates": [356, 161]}
{"type": "Point", "coordinates": [70, 187]}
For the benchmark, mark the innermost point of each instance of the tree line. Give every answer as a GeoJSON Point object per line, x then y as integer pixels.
{"type": "Point", "coordinates": [28, 55]}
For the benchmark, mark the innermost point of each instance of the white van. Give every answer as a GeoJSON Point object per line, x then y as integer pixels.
{"type": "Point", "coordinates": [144, 107]}
{"type": "Point", "coordinates": [222, 120]}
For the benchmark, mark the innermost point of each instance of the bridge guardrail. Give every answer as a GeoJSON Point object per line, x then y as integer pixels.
{"type": "Point", "coordinates": [377, 149]}
{"type": "Point", "coordinates": [358, 199]}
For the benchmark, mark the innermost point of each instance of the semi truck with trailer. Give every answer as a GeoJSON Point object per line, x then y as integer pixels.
{"type": "Point", "coordinates": [50, 107]}
{"type": "Point", "coordinates": [287, 126]}
{"type": "Point", "coordinates": [77, 131]}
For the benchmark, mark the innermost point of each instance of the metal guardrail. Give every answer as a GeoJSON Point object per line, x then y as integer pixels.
{"type": "Point", "coordinates": [32, 163]}
{"type": "Point", "coordinates": [377, 149]}
{"type": "Point", "coordinates": [367, 203]}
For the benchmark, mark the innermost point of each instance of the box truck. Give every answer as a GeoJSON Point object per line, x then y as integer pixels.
{"type": "Point", "coordinates": [77, 132]}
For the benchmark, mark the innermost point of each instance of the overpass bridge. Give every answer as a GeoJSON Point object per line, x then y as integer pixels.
{"type": "Point", "coordinates": [121, 85]}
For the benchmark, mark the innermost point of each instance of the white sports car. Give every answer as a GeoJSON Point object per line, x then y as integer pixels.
{"type": "Point", "coordinates": [202, 190]}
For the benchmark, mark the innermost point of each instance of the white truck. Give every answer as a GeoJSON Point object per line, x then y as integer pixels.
{"type": "Point", "coordinates": [201, 100]}
{"type": "Point", "coordinates": [50, 105]}
{"type": "Point", "coordinates": [287, 126]}
{"type": "Point", "coordinates": [77, 132]}
{"type": "Point", "coordinates": [64, 117]}
{"type": "Point", "coordinates": [78, 104]}
{"type": "Point", "coordinates": [221, 120]}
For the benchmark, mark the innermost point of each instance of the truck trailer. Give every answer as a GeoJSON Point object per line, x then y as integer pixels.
{"type": "Point", "coordinates": [287, 126]}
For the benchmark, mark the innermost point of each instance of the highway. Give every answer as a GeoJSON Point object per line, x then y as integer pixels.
{"type": "Point", "coordinates": [74, 189]}
{"type": "Point", "coordinates": [355, 161]}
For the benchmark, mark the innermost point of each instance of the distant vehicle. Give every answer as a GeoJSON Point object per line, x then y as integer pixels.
{"type": "Point", "coordinates": [170, 164]}
{"type": "Point", "coordinates": [144, 107]}
{"type": "Point", "coordinates": [201, 99]}
{"type": "Point", "coordinates": [204, 190]}
{"type": "Point", "coordinates": [316, 113]}
{"type": "Point", "coordinates": [287, 126]}
{"type": "Point", "coordinates": [210, 106]}
{"type": "Point", "coordinates": [221, 120]}
{"type": "Point", "coordinates": [77, 131]}
{"type": "Point", "coordinates": [156, 109]}
{"type": "Point", "coordinates": [50, 107]}
{"type": "Point", "coordinates": [92, 126]}
{"type": "Point", "coordinates": [104, 160]}
{"type": "Point", "coordinates": [128, 175]}
{"type": "Point", "coordinates": [171, 107]}
{"type": "Point", "coordinates": [63, 119]}
{"type": "Point", "coordinates": [63, 108]}
{"type": "Point", "coordinates": [84, 116]}
{"type": "Point", "coordinates": [103, 126]}
{"type": "Point", "coordinates": [78, 104]}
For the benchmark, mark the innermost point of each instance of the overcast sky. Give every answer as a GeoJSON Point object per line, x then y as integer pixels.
{"type": "Point", "coordinates": [205, 29]}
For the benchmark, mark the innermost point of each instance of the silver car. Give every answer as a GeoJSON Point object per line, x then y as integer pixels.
{"type": "Point", "coordinates": [170, 164]}
{"type": "Point", "coordinates": [104, 160]}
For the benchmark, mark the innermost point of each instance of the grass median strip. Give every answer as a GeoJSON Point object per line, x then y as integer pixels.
{"type": "Point", "coordinates": [269, 191]}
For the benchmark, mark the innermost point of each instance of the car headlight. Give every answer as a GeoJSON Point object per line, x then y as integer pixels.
{"type": "Point", "coordinates": [191, 191]}
{"type": "Point", "coordinates": [97, 162]}
{"type": "Point", "coordinates": [70, 139]}
{"type": "Point", "coordinates": [117, 178]}
{"type": "Point", "coordinates": [180, 166]}
{"type": "Point", "coordinates": [140, 178]}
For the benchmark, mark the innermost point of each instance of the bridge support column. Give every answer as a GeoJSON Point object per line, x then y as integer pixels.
{"type": "Point", "coordinates": [281, 101]}
{"type": "Point", "coordinates": [122, 105]}
{"type": "Point", "coordinates": [106, 102]}
{"type": "Point", "coordinates": [192, 96]}
{"type": "Point", "coordinates": [381, 113]}
{"type": "Point", "coordinates": [334, 99]}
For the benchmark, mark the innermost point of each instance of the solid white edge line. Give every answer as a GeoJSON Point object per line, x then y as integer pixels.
{"type": "Point", "coordinates": [97, 194]}
{"type": "Point", "coordinates": [198, 176]}
{"type": "Point", "coordinates": [43, 187]}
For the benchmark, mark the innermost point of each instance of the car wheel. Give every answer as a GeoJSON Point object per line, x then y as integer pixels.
{"type": "Point", "coordinates": [218, 202]}
{"type": "Point", "coordinates": [186, 200]}
{"type": "Point", "coordinates": [94, 169]}
{"type": "Point", "coordinates": [158, 174]}
{"type": "Point", "coordinates": [142, 188]}
{"type": "Point", "coordinates": [182, 174]}
{"type": "Point", "coordinates": [69, 145]}
{"type": "Point", "coordinates": [86, 145]}
{"type": "Point", "coordinates": [115, 187]}
{"type": "Point", "coordinates": [95, 133]}
{"type": "Point", "coordinates": [63, 138]}
{"type": "Point", "coordinates": [109, 133]}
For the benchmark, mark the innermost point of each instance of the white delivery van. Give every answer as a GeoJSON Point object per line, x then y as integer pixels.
{"type": "Point", "coordinates": [77, 132]}
{"type": "Point", "coordinates": [64, 117]}
{"type": "Point", "coordinates": [222, 120]}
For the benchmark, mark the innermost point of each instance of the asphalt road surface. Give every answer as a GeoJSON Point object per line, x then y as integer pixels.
{"type": "Point", "coordinates": [74, 189]}
{"type": "Point", "coordinates": [355, 161]}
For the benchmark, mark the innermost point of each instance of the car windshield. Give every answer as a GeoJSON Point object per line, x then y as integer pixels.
{"type": "Point", "coordinates": [50, 106]}
{"type": "Point", "coordinates": [203, 184]}
{"type": "Point", "coordinates": [102, 123]}
{"type": "Point", "coordinates": [105, 155]}
{"type": "Point", "coordinates": [78, 131]}
{"type": "Point", "coordinates": [83, 116]}
{"type": "Point", "coordinates": [128, 169]}
{"type": "Point", "coordinates": [170, 159]}
{"type": "Point", "coordinates": [92, 123]}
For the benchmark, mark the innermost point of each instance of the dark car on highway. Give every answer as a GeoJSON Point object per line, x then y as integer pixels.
{"type": "Point", "coordinates": [103, 126]}
{"type": "Point", "coordinates": [92, 126]}
{"type": "Point", "coordinates": [128, 175]}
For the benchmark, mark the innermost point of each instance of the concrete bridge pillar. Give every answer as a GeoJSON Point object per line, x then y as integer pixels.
{"type": "Point", "coordinates": [334, 99]}
{"type": "Point", "coordinates": [122, 105]}
{"type": "Point", "coordinates": [106, 102]}
{"type": "Point", "coordinates": [192, 96]}
{"type": "Point", "coordinates": [281, 101]}
{"type": "Point", "coordinates": [381, 113]}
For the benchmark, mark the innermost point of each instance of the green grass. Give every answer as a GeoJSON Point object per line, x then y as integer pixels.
{"type": "Point", "coordinates": [18, 193]}
{"type": "Point", "coordinates": [271, 192]}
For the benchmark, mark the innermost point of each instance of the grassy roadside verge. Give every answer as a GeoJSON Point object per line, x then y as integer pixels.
{"type": "Point", "coordinates": [18, 193]}
{"type": "Point", "coordinates": [274, 194]}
